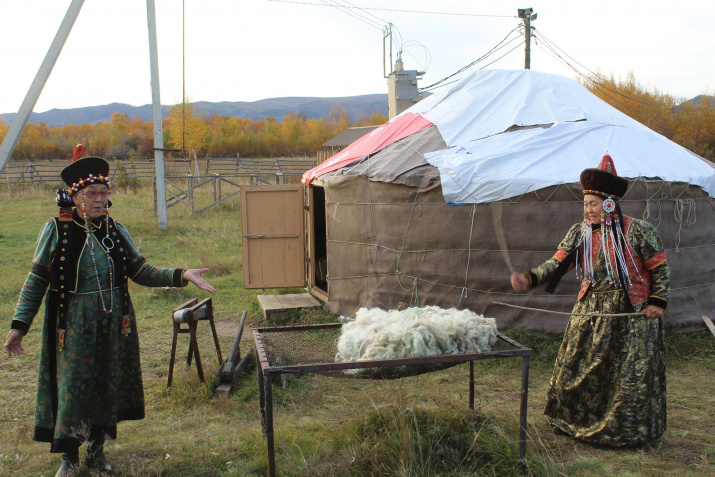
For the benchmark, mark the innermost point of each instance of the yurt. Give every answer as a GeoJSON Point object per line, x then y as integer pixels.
{"type": "Point", "coordinates": [439, 204]}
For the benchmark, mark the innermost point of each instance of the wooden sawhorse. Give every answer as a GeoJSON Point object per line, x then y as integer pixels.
{"type": "Point", "coordinates": [190, 313]}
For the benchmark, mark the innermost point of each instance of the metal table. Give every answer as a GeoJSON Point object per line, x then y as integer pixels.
{"type": "Point", "coordinates": [312, 349]}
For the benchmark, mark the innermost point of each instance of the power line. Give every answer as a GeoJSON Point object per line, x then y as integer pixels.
{"type": "Point", "coordinates": [611, 87]}
{"type": "Point", "coordinates": [502, 56]}
{"type": "Point", "coordinates": [346, 10]}
{"type": "Point", "coordinates": [359, 8]}
{"type": "Point", "coordinates": [401, 11]}
{"type": "Point", "coordinates": [428, 54]}
{"type": "Point", "coordinates": [615, 88]}
{"type": "Point", "coordinates": [494, 49]}
{"type": "Point", "coordinates": [439, 86]}
{"type": "Point", "coordinates": [598, 86]}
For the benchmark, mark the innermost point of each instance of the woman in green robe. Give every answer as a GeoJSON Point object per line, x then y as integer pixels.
{"type": "Point", "coordinates": [608, 385]}
{"type": "Point", "coordinates": [89, 374]}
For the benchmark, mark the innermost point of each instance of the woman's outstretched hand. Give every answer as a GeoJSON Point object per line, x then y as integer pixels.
{"type": "Point", "coordinates": [13, 343]}
{"type": "Point", "coordinates": [520, 283]}
{"type": "Point", "coordinates": [194, 276]}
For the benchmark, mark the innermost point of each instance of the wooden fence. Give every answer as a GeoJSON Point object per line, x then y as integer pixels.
{"type": "Point", "coordinates": [46, 171]}
{"type": "Point", "coordinates": [258, 171]}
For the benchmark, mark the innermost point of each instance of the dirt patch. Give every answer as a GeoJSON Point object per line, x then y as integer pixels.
{"type": "Point", "coordinates": [149, 375]}
{"type": "Point", "coordinates": [228, 329]}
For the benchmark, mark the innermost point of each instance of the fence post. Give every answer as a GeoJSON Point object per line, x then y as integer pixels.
{"type": "Point", "coordinates": [153, 187]}
{"type": "Point", "coordinates": [214, 181]}
{"type": "Point", "coordinates": [191, 192]}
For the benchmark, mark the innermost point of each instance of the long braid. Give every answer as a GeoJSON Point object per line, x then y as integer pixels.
{"type": "Point", "coordinates": [623, 245]}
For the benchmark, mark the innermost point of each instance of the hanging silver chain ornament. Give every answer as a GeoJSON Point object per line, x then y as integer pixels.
{"type": "Point", "coordinates": [90, 242]}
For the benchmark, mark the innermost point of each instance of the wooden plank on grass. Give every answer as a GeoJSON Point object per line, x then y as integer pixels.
{"type": "Point", "coordinates": [298, 300]}
{"type": "Point", "coordinates": [269, 302]}
{"type": "Point", "coordinates": [709, 324]}
{"type": "Point", "coordinates": [275, 306]}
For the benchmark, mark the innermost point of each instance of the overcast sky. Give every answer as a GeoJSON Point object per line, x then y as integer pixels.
{"type": "Point", "coordinates": [246, 50]}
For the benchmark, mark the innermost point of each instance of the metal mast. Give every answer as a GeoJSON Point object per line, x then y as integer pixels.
{"type": "Point", "coordinates": [33, 94]}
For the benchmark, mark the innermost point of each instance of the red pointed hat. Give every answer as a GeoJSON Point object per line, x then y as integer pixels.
{"type": "Point", "coordinates": [603, 180]}
{"type": "Point", "coordinates": [79, 152]}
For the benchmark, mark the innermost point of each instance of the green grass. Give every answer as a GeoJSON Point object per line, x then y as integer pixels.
{"type": "Point", "coordinates": [418, 426]}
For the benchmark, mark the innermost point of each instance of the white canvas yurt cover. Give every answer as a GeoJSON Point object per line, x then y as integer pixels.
{"type": "Point", "coordinates": [407, 214]}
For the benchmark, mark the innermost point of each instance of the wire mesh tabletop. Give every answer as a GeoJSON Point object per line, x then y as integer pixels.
{"type": "Point", "coordinates": [313, 349]}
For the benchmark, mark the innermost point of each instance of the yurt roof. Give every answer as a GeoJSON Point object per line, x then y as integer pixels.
{"type": "Point", "coordinates": [499, 134]}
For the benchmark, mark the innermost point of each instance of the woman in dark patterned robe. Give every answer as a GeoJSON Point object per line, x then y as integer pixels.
{"type": "Point", "coordinates": [89, 375]}
{"type": "Point", "coordinates": [608, 384]}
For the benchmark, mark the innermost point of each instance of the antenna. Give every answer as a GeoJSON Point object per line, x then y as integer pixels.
{"type": "Point", "coordinates": [387, 31]}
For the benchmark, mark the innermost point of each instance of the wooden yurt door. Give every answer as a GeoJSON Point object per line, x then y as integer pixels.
{"type": "Point", "coordinates": [273, 230]}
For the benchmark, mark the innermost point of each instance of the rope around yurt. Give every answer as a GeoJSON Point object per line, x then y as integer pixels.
{"type": "Point", "coordinates": [592, 315]}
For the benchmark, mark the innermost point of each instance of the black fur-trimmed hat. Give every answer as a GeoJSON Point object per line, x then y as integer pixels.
{"type": "Point", "coordinates": [603, 180]}
{"type": "Point", "coordinates": [85, 171]}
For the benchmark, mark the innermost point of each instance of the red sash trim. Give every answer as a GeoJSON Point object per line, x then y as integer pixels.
{"type": "Point", "coordinates": [640, 287]}
{"type": "Point", "coordinates": [653, 262]}
{"type": "Point", "coordinates": [560, 255]}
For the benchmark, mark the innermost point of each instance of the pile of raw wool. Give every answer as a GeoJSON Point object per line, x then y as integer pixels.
{"type": "Point", "coordinates": [429, 331]}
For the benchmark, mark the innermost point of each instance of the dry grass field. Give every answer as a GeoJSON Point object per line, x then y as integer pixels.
{"type": "Point", "coordinates": [416, 426]}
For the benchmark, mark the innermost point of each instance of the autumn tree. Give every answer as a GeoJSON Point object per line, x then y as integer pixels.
{"type": "Point", "coordinates": [695, 126]}
{"type": "Point", "coordinates": [187, 129]}
{"type": "Point", "coordinates": [3, 129]}
{"type": "Point", "coordinates": [374, 119]}
{"type": "Point", "coordinates": [338, 120]}
{"type": "Point", "coordinates": [690, 124]}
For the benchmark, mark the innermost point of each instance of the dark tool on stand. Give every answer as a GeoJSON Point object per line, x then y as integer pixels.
{"type": "Point", "coordinates": [235, 367]}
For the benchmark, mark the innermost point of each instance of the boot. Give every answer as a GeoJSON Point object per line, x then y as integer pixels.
{"type": "Point", "coordinates": [69, 466]}
{"type": "Point", "coordinates": [94, 458]}
{"type": "Point", "coordinates": [559, 432]}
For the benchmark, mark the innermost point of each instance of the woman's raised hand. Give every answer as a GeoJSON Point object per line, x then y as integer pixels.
{"type": "Point", "coordinates": [520, 283]}
{"type": "Point", "coordinates": [194, 276]}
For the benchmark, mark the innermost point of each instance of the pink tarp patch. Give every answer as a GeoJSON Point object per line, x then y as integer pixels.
{"type": "Point", "coordinates": [400, 127]}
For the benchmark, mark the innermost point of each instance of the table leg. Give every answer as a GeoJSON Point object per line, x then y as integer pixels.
{"type": "Point", "coordinates": [269, 427]}
{"type": "Point", "coordinates": [173, 354]}
{"type": "Point", "coordinates": [195, 345]}
{"type": "Point", "coordinates": [261, 398]}
{"type": "Point", "coordinates": [522, 414]}
{"type": "Point", "coordinates": [471, 385]}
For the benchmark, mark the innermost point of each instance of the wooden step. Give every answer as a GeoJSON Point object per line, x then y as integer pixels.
{"type": "Point", "coordinates": [277, 307]}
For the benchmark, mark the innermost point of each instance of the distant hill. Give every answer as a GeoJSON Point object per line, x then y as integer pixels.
{"type": "Point", "coordinates": [696, 100]}
{"type": "Point", "coordinates": [355, 106]}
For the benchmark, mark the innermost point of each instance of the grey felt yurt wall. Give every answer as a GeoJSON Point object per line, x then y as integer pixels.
{"type": "Point", "coordinates": [392, 238]}
{"type": "Point", "coordinates": [410, 208]}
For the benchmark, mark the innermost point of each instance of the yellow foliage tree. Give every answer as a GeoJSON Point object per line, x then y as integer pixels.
{"type": "Point", "coordinates": [377, 118]}
{"type": "Point", "coordinates": [690, 124]}
{"type": "Point", "coordinates": [3, 129]}
{"type": "Point", "coordinates": [187, 130]}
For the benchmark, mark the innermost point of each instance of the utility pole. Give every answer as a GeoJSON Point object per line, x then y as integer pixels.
{"type": "Point", "coordinates": [156, 116]}
{"type": "Point", "coordinates": [526, 14]}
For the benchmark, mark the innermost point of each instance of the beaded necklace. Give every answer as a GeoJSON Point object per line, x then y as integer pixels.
{"type": "Point", "coordinates": [107, 245]}
{"type": "Point", "coordinates": [611, 239]}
